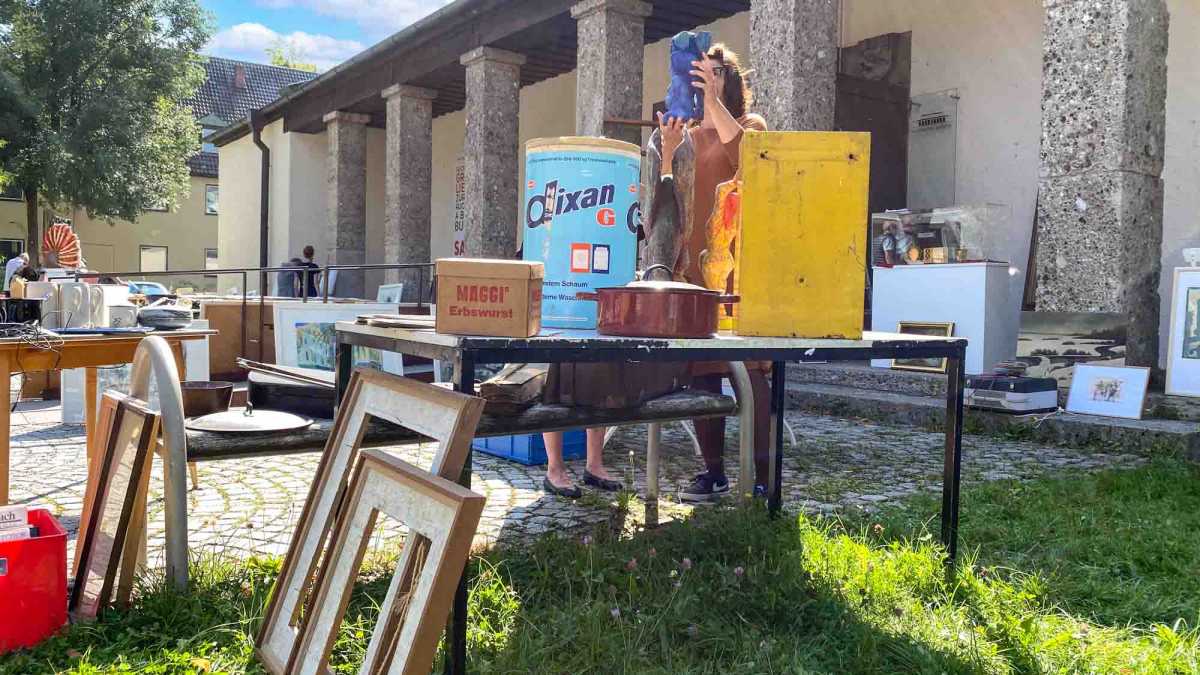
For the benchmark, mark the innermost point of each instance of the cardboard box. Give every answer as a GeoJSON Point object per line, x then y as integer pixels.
{"type": "Point", "coordinates": [479, 296]}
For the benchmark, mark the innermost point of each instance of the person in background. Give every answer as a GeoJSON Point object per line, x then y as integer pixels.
{"type": "Point", "coordinates": [716, 142]}
{"type": "Point", "coordinates": [309, 279]}
{"type": "Point", "coordinates": [10, 268]}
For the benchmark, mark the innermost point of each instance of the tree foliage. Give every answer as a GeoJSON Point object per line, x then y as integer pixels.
{"type": "Point", "coordinates": [285, 55]}
{"type": "Point", "coordinates": [91, 100]}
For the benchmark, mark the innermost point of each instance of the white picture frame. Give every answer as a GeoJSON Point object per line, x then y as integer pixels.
{"type": "Point", "coordinates": [390, 293]}
{"type": "Point", "coordinates": [304, 335]}
{"type": "Point", "coordinates": [1109, 391]}
{"type": "Point", "coordinates": [1183, 344]}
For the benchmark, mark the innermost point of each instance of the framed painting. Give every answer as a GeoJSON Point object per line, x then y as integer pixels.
{"type": "Point", "coordinates": [929, 328]}
{"type": "Point", "coordinates": [390, 293]}
{"type": "Point", "coordinates": [305, 335]}
{"type": "Point", "coordinates": [113, 526]}
{"type": "Point", "coordinates": [441, 517]}
{"type": "Point", "coordinates": [447, 417]}
{"type": "Point", "coordinates": [1111, 391]}
{"type": "Point", "coordinates": [1183, 344]}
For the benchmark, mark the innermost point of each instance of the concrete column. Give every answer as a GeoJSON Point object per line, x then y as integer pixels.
{"type": "Point", "coordinates": [347, 190]}
{"type": "Point", "coordinates": [794, 54]}
{"type": "Point", "coordinates": [608, 80]}
{"type": "Point", "coordinates": [408, 182]}
{"type": "Point", "coordinates": [1100, 207]}
{"type": "Point", "coordinates": [490, 150]}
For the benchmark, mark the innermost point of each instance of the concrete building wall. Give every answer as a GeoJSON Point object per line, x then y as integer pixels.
{"type": "Point", "coordinates": [12, 219]}
{"type": "Point", "coordinates": [237, 225]}
{"type": "Point", "coordinates": [1181, 169]}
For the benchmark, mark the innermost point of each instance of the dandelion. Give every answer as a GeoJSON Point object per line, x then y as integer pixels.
{"type": "Point", "coordinates": [686, 564]}
{"type": "Point", "coordinates": [673, 573]}
{"type": "Point", "coordinates": [616, 612]}
{"type": "Point", "coordinates": [739, 571]}
{"type": "Point", "coordinates": [631, 565]}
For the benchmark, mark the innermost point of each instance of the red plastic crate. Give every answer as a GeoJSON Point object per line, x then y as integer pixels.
{"type": "Point", "coordinates": [33, 584]}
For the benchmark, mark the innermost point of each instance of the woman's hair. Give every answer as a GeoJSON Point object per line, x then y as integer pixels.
{"type": "Point", "coordinates": [738, 97]}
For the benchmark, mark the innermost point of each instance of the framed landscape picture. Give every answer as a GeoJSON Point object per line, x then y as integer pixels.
{"type": "Point", "coordinates": [929, 328]}
{"type": "Point", "coordinates": [1183, 350]}
{"type": "Point", "coordinates": [1112, 391]}
{"type": "Point", "coordinates": [305, 335]}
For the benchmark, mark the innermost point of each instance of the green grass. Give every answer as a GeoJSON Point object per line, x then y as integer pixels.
{"type": "Point", "coordinates": [1083, 574]}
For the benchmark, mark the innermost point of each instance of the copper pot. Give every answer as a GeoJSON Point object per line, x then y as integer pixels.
{"type": "Point", "coordinates": [657, 309]}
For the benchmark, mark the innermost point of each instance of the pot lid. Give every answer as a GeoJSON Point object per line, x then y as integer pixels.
{"type": "Point", "coordinates": [667, 286]}
{"type": "Point", "coordinates": [248, 420]}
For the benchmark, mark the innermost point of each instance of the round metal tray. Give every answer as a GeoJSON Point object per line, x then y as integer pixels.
{"type": "Point", "coordinates": [243, 420]}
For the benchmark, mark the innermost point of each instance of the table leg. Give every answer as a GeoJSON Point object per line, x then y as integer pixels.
{"type": "Point", "coordinates": [89, 415]}
{"type": "Point", "coordinates": [5, 424]}
{"type": "Point", "coordinates": [456, 657]}
{"type": "Point", "coordinates": [952, 465]}
{"type": "Point", "coordinates": [653, 438]}
{"type": "Point", "coordinates": [343, 365]}
{"type": "Point", "coordinates": [778, 398]}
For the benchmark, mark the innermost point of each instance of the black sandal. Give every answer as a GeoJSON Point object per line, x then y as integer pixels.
{"type": "Point", "coordinates": [572, 492]}
{"type": "Point", "coordinates": [595, 481]}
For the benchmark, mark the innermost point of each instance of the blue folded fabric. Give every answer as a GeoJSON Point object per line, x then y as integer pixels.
{"type": "Point", "coordinates": [684, 101]}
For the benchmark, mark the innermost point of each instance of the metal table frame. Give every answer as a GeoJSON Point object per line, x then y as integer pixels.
{"type": "Point", "coordinates": [465, 352]}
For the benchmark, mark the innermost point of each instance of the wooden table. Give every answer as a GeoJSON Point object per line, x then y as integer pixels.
{"type": "Point", "coordinates": [74, 351]}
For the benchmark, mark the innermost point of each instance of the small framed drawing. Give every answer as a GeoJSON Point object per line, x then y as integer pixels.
{"type": "Point", "coordinates": [931, 329]}
{"type": "Point", "coordinates": [1111, 391]}
{"type": "Point", "coordinates": [305, 335]}
{"type": "Point", "coordinates": [390, 293]}
{"type": "Point", "coordinates": [1183, 350]}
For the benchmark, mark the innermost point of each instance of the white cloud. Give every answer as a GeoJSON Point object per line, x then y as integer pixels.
{"type": "Point", "coordinates": [250, 41]}
{"type": "Point", "coordinates": [378, 18]}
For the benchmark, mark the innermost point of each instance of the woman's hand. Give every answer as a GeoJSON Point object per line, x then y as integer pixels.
{"type": "Point", "coordinates": [671, 130]}
{"type": "Point", "coordinates": [703, 69]}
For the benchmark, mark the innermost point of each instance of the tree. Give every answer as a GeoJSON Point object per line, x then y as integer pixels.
{"type": "Point", "coordinates": [91, 102]}
{"type": "Point", "coordinates": [285, 55]}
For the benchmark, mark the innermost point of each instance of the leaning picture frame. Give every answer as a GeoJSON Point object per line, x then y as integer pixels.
{"type": "Point", "coordinates": [441, 517]}
{"type": "Point", "coordinates": [928, 328]}
{"type": "Point", "coordinates": [112, 530]}
{"type": "Point", "coordinates": [305, 336]}
{"type": "Point", "coordinates": [447, 417]}
{"type": "Point", "coordinates": [1109, 391]}
{"type": "Point", "coordinates": [1183, 343]}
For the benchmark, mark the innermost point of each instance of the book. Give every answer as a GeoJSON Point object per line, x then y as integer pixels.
{"type": "Point", "coordinates": [14, 518]}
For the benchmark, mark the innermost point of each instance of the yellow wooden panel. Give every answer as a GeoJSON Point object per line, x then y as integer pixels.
{"type": "Point", "coordinates": [802, 251]}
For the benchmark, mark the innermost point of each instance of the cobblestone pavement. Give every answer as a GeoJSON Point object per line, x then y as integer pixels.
{"type": "Point", "coordinates": [249, 506]}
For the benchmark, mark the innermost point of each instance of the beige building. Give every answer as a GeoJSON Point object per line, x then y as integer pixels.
{"type": "Point", "coordinates": [972, 69]}
{"type": "Point", "coordinates": [184, 237]}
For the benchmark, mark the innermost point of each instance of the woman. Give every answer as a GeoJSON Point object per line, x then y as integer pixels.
{"type": "Point", "coordinates": [716, 142]}
{"type": "Point", "coordinates": [558, 481]}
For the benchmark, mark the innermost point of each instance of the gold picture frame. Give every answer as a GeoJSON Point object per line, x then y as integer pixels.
{"type": "Point", "coordinates": [447, 417]}
{"type": "Point", "coordinates": [929, 329]}
{"type": "Point", "coordinates": [441, 517]}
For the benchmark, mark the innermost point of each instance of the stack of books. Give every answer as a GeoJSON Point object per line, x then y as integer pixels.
{"type": "Point", "coordinates": [14, 523]}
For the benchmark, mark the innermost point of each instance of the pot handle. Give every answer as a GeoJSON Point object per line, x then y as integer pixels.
{"type": "Point", "coordinates": [595, 297]}
{"type": "Point", "coordinates": [670, 272]}
{"type": "Point", "coordinates": [726, 299]}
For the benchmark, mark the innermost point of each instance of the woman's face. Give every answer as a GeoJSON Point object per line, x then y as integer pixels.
{"type": "Point", "coordinates": [719, 79]}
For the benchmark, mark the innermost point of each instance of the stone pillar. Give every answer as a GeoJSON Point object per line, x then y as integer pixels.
{"type": "Point", "coordinates": [490, 151]}
{"type": "Point", "coordinates": [794, 54]}
{"type": "Point", "coordinates": [1100, 206]}
{"type": "Point", "coordinates": [608, 81]}
{"type": "Point", "coordinates": [347, 190]}
{"type": "Point", "coordinates": [408, 182]}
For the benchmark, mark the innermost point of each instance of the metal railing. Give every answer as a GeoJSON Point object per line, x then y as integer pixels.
{"type": "Point", "coordinates": [424, 290]}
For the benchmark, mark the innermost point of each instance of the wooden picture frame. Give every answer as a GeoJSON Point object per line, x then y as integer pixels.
{"type": "Point", "coordinates": [930, 328]}
{"type": "Point", "coordinates": [447, 417]}
{"type": "Point", "coordinates": [441, 517]}
{"type": "Point", "coordinates": [111, 539]}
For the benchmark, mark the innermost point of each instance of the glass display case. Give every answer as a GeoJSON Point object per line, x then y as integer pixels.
{"type": "Point", "coordinates": [952, 234]}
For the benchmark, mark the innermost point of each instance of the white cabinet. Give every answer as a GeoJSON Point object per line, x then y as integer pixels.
{"type": "Point", "coordinates": [974, 296]}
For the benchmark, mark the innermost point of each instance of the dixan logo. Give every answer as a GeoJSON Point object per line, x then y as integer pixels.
{"type": "Point", "coordinates": [564, 202]}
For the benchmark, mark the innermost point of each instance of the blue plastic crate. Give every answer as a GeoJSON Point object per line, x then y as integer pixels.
{"type": "Point", "coordinates": [529, 449]}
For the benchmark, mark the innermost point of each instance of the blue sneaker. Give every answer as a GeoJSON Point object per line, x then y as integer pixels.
{"type": "Point", "coordinates": [705, 487]}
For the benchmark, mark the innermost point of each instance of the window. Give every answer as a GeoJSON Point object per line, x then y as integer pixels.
{"type": "Point", "coordinates": [13, 192]}
{"type": "Point", "coordinates": [210, 199]}
{"type": "Point", "coordinates": [153, 258]}
{"type": "Point", "coordinates": [210, 262]}
{"type": "Point", "coordinates": [205, 133]}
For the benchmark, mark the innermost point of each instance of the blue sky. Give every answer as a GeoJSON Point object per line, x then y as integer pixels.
{"type": "Point", "coordinates": [324, 32]}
